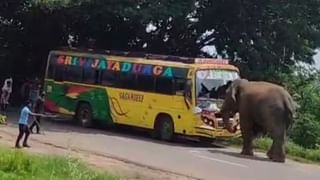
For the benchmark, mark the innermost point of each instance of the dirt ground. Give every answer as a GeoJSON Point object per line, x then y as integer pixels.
{"type": "Point", "coordinates": [116, 167]}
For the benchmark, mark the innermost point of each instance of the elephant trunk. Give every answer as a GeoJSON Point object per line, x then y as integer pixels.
{"type": "Point", "coordinates": [228, 110]}
{"type": "Point", "coordinates": [225, 117]}
{"type": "Point", "coordinates": [229, 125]}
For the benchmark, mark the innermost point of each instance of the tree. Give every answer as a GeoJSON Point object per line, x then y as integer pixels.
{"type": "Point", "coordinates": [262, 36]}
{"type": "Point", "coordinates": [110, 24]}
{"type": "Point", "coordinates": [269, 36]}
{"type": "Point", "coordinates": [10, 29]}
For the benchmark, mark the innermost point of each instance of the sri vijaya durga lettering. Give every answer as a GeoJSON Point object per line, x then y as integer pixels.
{"type": "Point", "coordinates": [104, 64]}
{"type": "Point", "coordinates": [131, 97]}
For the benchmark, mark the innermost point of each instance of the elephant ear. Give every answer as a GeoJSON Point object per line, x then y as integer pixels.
{"type": "Point", "coordinates": [234, 91]}
{"type": "Point", "coordinates": [234, 88]}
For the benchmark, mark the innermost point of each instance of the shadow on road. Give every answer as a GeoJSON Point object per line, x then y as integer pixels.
{"type": "Point", "coordinates": [238, 155]}
{"type": "Point", "coordinates": [67, 125]}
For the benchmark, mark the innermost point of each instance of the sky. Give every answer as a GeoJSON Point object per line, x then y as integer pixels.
{"type": "Point", "coordinates": [317, 59]}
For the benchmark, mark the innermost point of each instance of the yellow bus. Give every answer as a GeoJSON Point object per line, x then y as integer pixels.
{"type": "Point", "coordinates": [168, 95]}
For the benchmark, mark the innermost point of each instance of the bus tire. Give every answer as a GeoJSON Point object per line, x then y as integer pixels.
{"type": "Point", "coordinates": [164, 128]}
{"type": "Point", "coordinates": [84, 115]}
{"type": "Point", "coordinates": [206, 141]}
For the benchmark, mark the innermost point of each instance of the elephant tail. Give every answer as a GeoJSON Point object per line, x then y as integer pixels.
{"type": "Point", "coordinates": [290, 108]}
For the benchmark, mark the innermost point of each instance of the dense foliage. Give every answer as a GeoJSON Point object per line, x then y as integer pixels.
{"type": "Point", "coordinates": [305, 87]}
{"type": "Point", "coordinates": [264, 38]}
{"type": "Point", "coordinates": [269, 35]}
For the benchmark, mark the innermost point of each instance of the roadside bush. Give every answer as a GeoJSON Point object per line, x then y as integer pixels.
{"type": "Point", "coordinates": [304, 86]}
{"type": "Point", "coordinates": [306, 131]}
{"type": "Point", "coordinates": [294, 151]}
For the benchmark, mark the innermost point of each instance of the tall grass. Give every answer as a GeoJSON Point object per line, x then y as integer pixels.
{"type": "Point", "coordinates": [21, 166]}
{"type": "Point", "coordinates": [294, 151]}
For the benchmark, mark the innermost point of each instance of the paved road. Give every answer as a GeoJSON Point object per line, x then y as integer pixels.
{"type": "Point", "coordinates": [184, 158]}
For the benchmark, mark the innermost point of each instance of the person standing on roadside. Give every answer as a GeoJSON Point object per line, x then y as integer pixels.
{"type": "Point", "coordinates": [23, 124]}
{"type": "Point", "coordinates": [4, 99]}
{"type": "Point", "coordinates": [34, 93]}
{"type": "Point", "coordinates": [38, 108]}
{"type": "Point", "coordinates": [25, 90]}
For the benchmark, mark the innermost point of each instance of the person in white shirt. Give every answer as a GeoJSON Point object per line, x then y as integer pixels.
{"type": "Point", "coordinates": [5, 95]}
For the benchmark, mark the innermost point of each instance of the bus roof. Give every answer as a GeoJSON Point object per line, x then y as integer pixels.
{"type": "Point", "coordinates": [177, 61]}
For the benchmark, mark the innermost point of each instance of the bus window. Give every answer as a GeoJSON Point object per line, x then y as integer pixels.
{"type": "Point", "coordinates": [110, 78]}
{"type": "Point", "coordinates": [145, 83]}
{"type": "Point", "coordinates": [128, 81]}
{"type": "Point", "coordinates": [180, 73]}
{"type": "Point", "coordinates": [179, 86]}
{"type": "Point", "coordinates": [59, 73]}
{"type": "Point", "coordinates": [51, 69]}
{"type": "Point", "coordinates": [164, 85]}
{"type": "Point", "coordinates": [91, 76]}
{"type": "Point", "coordinates": [74, 74]}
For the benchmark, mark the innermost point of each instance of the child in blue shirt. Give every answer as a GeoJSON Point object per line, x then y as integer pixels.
{"type": "Point", "coordinates": [23, 124]}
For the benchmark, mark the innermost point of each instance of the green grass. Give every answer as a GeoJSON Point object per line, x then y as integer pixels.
{"type": "Point", "coordinates": [294, 151]}
{"type": "Point", "coordinates": [18, 165]}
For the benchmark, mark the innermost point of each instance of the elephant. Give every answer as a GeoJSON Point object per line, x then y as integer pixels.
{"type": "Point", "coordinates": [264, 108]}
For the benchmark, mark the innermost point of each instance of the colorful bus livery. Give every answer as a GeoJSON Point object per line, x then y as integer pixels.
{"type": "Point", "coordinates": [168, 95]}
{"type": "Point", "coordinates": [104, 64]}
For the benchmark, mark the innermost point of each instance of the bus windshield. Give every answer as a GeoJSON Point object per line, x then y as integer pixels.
{"type": "Point", "coordinates": [212, 83]}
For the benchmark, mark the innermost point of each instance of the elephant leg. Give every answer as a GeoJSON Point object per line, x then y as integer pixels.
{"type": "Point", "coordinates": [277, 153]}
{"type": "Point", "coordinates": [247, 148]}
{"type": "Point", "coordinates": [270, 152]}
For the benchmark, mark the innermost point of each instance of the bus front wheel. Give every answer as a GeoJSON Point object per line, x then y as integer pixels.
{"type": "Point", "coordinates": [84, 115]}
{"type": "Point", "coordinates": [165, 128]}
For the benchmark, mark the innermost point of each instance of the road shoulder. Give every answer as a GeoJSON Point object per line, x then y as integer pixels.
{"type": "Point", "coordinates": [98, 162]}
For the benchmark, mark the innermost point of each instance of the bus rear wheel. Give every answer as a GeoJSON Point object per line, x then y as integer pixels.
{"type": "Point", "coordinates": [84, 115]}
{"type": "Point", "coordinates": [165, 128]}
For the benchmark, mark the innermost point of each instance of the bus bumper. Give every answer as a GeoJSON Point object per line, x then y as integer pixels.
{"type": "Point", "coordinates": [210, 132]}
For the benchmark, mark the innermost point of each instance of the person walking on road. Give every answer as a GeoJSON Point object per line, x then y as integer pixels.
{"type": "Point", "coordinates": [23, 124]}
{"type": "Point", "coordinates": [38, 108]}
